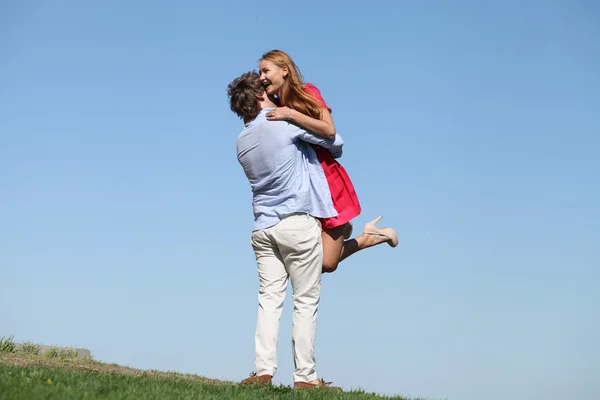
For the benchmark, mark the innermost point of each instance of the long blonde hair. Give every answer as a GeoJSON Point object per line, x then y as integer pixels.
{"type": "Point", "coordinates": [292, 93]}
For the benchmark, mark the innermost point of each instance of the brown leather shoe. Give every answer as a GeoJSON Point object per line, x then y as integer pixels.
{"type": "Point", "coordinates": [322, 385]}
{"type": "Point", "coordinates": [261, 380]}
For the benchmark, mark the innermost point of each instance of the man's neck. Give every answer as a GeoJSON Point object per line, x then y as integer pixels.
{"type": "Point", "coordinates": [264, 104]}
{"type": "Point", "coordinates": [267, 104]}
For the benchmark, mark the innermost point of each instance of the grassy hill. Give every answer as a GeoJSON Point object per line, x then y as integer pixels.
{"type": "Point", "coordinates": [26, 373]}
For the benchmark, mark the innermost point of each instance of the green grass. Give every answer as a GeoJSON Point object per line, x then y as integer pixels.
{"type": "Point", "coordinates": [62, 354]}
{"type": "Point", "coordinates": [6, 344]}
{"type": "Point", "coordinates": [27, 376]}
{"type": "Point", "coordinates": [58, 374]}
{"type": "Point", "coordinates": [18, 383]}
{"type": "Point", "coordinates": [30, 348]}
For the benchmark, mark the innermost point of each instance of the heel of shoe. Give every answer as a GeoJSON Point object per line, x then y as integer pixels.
{"type": "Point", "coordinates": [372, 229]}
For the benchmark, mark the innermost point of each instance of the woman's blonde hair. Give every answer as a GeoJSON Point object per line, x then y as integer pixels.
{"type": "Point", "coordinates": [292, 93]}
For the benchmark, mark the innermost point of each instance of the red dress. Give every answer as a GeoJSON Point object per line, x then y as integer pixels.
{"type": "Point", "coordinates": [344, 197]}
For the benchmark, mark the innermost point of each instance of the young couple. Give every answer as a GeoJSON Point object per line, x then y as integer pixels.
{"type": "Point", "coordinates": [303, 203]}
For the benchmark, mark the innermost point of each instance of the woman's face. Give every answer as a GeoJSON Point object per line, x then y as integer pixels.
{"type": "Point", "coordinates": [272, 76]}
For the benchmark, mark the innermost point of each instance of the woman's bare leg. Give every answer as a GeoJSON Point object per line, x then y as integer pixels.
{"type": "Point", "coordinates": [333, 245]}
{"type": "Point", "coordinates": [335, 249]}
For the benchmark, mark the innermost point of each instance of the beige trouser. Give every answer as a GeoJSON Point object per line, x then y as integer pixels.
{"type": "Point", "coordinates": [293, 249]}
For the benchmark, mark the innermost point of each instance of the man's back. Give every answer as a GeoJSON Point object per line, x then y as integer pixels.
{"type": "Point", "coordinates": [279, 165]}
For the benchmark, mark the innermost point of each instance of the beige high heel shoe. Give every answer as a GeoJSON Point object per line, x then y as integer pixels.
{"type": "Point", "coordinates": [371, 229]}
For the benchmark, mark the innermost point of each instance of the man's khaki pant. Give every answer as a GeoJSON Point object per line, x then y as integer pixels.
{"type": "Point", "coordinates": [293, 249]}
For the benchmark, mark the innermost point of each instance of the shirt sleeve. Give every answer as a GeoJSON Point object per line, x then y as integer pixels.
{"type": "Point", "coordinates": [316, 93]}
{"type": "Point", "coordinates": [334, 146]}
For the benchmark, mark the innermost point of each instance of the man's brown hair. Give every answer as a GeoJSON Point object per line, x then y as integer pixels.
{"type": "Point", "coordinates": [243, 95]}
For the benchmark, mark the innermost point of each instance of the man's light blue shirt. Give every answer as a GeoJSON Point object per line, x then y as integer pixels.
{"type": "Point", "coordinates": [283, 170]}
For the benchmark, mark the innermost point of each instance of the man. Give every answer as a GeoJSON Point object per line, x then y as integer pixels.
{"type": "Point", "coordinates": [289, 193]}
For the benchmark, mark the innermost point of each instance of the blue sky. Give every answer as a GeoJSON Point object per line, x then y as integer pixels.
{"type": "Point", "coordinates": [473, 128]}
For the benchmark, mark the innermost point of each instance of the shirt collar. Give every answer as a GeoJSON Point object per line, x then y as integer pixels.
{"type": "Point", "coordinates": [262, 116]}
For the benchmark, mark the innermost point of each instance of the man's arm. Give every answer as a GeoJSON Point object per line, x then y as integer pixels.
{"type": "Point", "coordinates": [333, 145]}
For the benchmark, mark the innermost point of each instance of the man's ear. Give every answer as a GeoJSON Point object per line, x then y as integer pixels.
{"type": "Point", "coordinates": [262, 96]}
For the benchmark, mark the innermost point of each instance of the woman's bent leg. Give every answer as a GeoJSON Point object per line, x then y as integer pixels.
{"type": "Point", "coordinates": [333, 244]}
{"type": "Point", "coordinates": [335, 249]}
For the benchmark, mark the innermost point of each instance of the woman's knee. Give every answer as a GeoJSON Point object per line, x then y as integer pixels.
{"type": "Point", "coordinates": [329, 266]}
{"type": "Point", "coordinates": [333, 243]}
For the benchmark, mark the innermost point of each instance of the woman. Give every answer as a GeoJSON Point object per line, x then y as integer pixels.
{"type": "Point", "coordinates": [303, 105]}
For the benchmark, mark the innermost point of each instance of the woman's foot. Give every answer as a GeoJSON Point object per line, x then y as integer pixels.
{"type": "Point", "coordinates": [384, 234]}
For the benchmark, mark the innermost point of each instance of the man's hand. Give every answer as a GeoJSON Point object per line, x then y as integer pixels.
{"type": "Point", "coordinates": [280, 114]}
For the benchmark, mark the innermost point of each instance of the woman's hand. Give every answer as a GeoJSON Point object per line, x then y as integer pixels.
{"type": "Point", "coordinates": [280, 114]}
